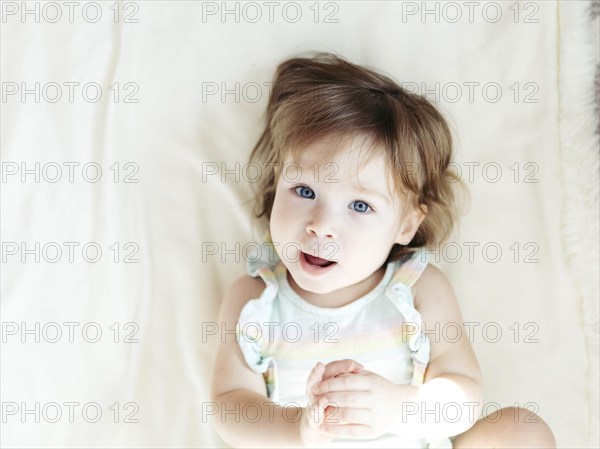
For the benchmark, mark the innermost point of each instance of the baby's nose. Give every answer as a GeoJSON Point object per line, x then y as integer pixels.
{"type": "Point", "coordinates": [320, 227]}
{"type": "Point", "coordinates": [318, 231]}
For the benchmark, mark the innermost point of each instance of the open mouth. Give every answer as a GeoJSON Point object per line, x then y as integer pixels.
{"type": "Point", "coordinates": [317, 261]}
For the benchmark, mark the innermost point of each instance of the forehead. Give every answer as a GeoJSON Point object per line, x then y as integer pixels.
{"type": "Point", "coordinates": [347, 150]}
{"type": "Point", "coordinates": [348, 159]}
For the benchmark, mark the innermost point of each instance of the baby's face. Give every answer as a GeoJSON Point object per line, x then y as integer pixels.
{"type": "Point", "coordinates": [320, 210]}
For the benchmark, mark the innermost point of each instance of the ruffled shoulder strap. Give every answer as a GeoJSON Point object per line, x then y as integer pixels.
{"type": "Point", "coordinates": [411, 269]}
{"type": "Point", "coordinates": [400, 294]}
{"type": "Point", "coordinates": [262, 261]}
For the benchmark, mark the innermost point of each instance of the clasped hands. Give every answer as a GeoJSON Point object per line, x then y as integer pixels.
{"type": "Point", "coordinates": [346, 401]}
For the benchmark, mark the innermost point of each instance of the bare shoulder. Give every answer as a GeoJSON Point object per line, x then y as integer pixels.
{"type": "Point", "coordinates": [439, 309]}
{"type": "Point", "coordinates": [230, 370]}
{"type": "Point", "coordinates": [242, 290]}
{"type": "Point", "coordinates": [433, 292]}
{"type": "Point", "coordinates": [256, 284]}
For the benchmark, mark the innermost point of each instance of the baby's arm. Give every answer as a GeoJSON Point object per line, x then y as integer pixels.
{"type": "Point", "coordinates": [245, 416]}
{"type": "Point", "coordinates": [235, 385]}
{"type": "Point", "coordinates": [453, 375]}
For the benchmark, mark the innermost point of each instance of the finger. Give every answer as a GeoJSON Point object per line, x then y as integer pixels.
{"type": "Point", "coordinates": [317, 412]}
{"type": "Point", "coordinates": [316, 373]}
{"type": "Point", "coordinates": [342, 366]}
{"type": "Point", "coordinates": [314, 377]}
{"type": "Point", "coordinates": [345, 399]}
{"type": "Point", "coordinates": [322, 406]}
{"type": "Point", "coordinates": [342, 383]}
{"type": "Point", "coordinates": [347, 431]}
{"type": "Point", "coordinates": [343, 415]}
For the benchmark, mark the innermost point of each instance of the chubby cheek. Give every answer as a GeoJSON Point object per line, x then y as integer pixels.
{"type": "Point", "coordinates": [373, 247]}
{"type": "Point", "coordinates": [279, 219]}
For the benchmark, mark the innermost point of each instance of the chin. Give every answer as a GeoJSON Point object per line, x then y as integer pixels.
{"type": "Point", "coordinates": [318, 290]}
{"type": "Point", "coordinates": [319, 286]}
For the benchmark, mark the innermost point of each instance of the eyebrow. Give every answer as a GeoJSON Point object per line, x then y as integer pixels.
{"type": "Point", "coordinates": [355, 186]}
{"type": "Point", "coordinates": [371, 192]}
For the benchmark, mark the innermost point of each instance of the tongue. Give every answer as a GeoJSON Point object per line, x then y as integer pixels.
{"type": "Point", "coordinates": [317, 260]}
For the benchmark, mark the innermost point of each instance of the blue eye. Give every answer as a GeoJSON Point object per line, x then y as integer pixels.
{"type": "Point", "coordinates": [305, 192]}
{"type": "Point", "coordinates": [363, 207]}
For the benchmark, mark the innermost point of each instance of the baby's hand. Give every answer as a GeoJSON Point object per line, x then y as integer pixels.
{"type": "Point", "coordinates": [363, 404]}
{"type": "Point", "coordinates": [314, 412]}
{"type": "Point", "coordinates": [313, 415]}
{"type": "Point", "coordinates": [338, 367]}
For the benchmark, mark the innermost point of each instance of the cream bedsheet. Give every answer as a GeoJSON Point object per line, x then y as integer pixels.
{"type": "Point", "coordinates": [183, 92]}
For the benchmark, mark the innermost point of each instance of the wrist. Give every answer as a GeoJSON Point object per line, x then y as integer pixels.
{"type": "Point", "coordinates": [405, 396]}
{"type": "Point", "coordinates": [301, 428]}
{"type": "Point", "coordinates": [309, 433]}
{"type": "Point", "coordinates": [305, 428]}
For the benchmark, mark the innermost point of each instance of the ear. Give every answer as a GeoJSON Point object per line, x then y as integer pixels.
{"type": "Point", "coordinates": [410, 224]}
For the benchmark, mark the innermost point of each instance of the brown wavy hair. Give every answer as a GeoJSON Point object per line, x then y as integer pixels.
{"type": "Point", "coordinates": [325, 96]}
